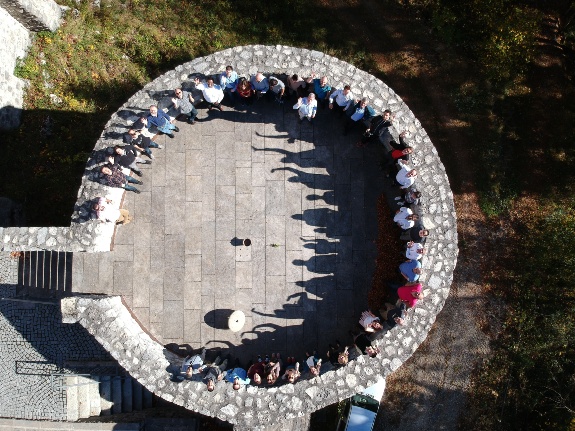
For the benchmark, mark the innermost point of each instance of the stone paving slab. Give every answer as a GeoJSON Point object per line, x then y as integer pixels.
{"type": "Point", "coordinates": [234, 175]}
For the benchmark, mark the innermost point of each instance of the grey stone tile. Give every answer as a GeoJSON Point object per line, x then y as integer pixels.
{"type": "Point", "coordinates": [158, 175]}
{"type": "Point", "coordinates": [175, 167]}
{"type": "Point", "coordinates": [174, 283]}
{"type": "Point", "coordinates": [194, 188]}
{"type": "Point", "coordinates": [345, 276]}
{"type": "Point", "coordinates": [192, 295]}
{"type": "Point", "coordinates": [141, 279]}
{"type": "Point", "coordinates": [293, 197]}
{"type": "Point", "coordinates": [345, 304]}
{"type": "Point", "coordinates": [275, 260]}
{"type": "Point", "coordinates": [90, 274]}
{"type": "Point", "coordinates": [225, 202]}
{"type": "Point", "coordinates": [156, 296]}
{"type": "Point", "coordinates": [174, 251]}
{"type": "Point", "coordinates": [243, 180]}
{"type": "Point", "coordinates": [243, 132]}
{"type": "Point", "coordinates": [225, 229]}
{"type": "Point", "coordinates": [192, 332]}
{"type": "Point", "coordinates": [293, 234]}
{"type": "Point", "coordinates": [225, 264]}
{"type": "Point", "coordinates": [208, 306]}
{"type": "Point", "coordinates": [244, 207]}
{"type": "Point", "coordinates": [209, 151]}
{"type": "Point", "coordinates": [194, 163]}
{"type": "Point", "coordinates": [208, 248]}
{"type": "Point", "coordinates": [156, 329]}
{"type": "Point", "coordinates": [275, 230]}
{"type": "Point", "coordinates": [258, 174]}
{"type": "Point", "coordinates": [209, 284]}
{"type": "Point", "coordinates": [193, 266]}
{"type": "Point", "coordinates": [243, 164]}
{"type": "Point", "coordinates": [272, 168]}
{"type": "Point", "coordinates": [123, 253]}
{"type": "Point", "coordinates": [225, 172]}
{"type": "Point", "coordinates": [194, 215]}
{"type": "Point", "coordinates": [105, 280]}
{"type": "Point", "coordinates": [294, 295]}
{"type": "Point", "coordinates": [175, 218]}
{"type": "Point", "coordinates": [275, 198]}
{"type": "Point", "coordinates": [173, 323]}
{"type": "Point", "coordinates": [293, 270]}
{"type": "Point", "coordinates": [244, 275]}
{"type": "Point", "coordinates": [243, 150]}
{"type": "Point", "coordinates": [122, 280]}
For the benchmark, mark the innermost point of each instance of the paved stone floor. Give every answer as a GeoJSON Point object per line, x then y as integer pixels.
{"type": "Point", "coordinates": [304, 194]}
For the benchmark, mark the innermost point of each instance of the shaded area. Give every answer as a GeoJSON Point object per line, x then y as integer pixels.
{"type": "Point", "coordinates": [70, 100]}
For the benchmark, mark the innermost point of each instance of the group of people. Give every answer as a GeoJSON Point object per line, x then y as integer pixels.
{"type": "Point", "coordinates": [270, 370]}
{"type": "Point", "coordinates": [309, 94]}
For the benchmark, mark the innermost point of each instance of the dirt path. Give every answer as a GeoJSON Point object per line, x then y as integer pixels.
{"type": "Point", "coordinates": [429, 391]}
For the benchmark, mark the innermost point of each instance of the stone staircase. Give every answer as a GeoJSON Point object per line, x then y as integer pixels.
{"type": "Point", "coordinates": [45, 273]}
{"type": "Point", "coordinates": [89, 395]}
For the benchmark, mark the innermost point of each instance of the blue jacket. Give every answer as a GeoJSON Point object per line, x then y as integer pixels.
{"type": "Point", "coordinates": [367, 114]}
{"type": "Point", "coordinates": [160, 120]}
{"type": "Point", "coordinates": [240, 373]}
{"type": "Point", "coordinates": [230, 83]}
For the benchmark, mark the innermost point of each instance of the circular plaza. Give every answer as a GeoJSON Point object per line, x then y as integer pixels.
{"type": "Point", "coordinates": [304, 195]}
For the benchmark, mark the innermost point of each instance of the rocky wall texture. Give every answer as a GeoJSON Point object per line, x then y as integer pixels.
{"type": "Point", "coordinates": [253, 407]}
{"type": "Point", "coordinates": [14, 41]}
{"type": "Point", "coordinates": [35, 15]}
{"type": "Point", "coordinates": [18, 19]}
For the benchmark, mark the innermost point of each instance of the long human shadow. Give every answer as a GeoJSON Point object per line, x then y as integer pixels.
{"type": "Point", "coordinates": [326, 301]}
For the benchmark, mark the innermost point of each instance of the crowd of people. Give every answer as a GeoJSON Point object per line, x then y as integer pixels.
{"type": "Point", "coordinates": [309, 94]}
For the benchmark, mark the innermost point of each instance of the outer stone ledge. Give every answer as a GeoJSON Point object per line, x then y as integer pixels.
{"type": "Point", "coordinates": [254, 407]}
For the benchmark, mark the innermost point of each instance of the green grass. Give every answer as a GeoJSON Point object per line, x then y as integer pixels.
{"type": "Point", "coordinates": [80, 74]}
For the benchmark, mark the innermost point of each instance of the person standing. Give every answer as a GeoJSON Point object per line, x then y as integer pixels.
{"type": "Point", "coordinates": [213, 94]}
{"type": "Point", "coordinates": [306, 107]}
{"type": "Point", "coordinates": [184, 104]}
{"type": "Point", "coordinates": [229, 83]}
{"type": "Point", "coordinates": [320, 87]}
{"type": "Point", "coordinates": [162, 121]}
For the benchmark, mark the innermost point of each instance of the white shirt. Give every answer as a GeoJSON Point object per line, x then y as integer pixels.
{"type": "Point", "coordinates": [401, 218]}
{"type": "Point", "coordinates": [341, 99]}
{"type": "Point", "coordinates": [211, 94]}
{"type": "Point", "coordinates": [306, 108]}
{"type": "Point", "coordinates": [402, 177]}
{"type": "Point", "coordinates": [412, 252]}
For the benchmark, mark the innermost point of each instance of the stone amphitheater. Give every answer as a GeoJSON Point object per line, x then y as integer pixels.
{"type": "Point", "coordinates": [304, 194]}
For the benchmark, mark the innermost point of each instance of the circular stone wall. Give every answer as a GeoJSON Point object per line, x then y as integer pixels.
{"type": "Point", "coordinates": [251, 407]}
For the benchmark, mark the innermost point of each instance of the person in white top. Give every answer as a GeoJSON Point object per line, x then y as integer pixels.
{"type": "Point", "coordinates": [406, 175]}
{"type": "Point", "coordinates": [340, 100]}
{"type": "Point", "coordinates": [414, 250]}
{"type": "Point", "coordinates": [213, 93]}
{"type": "Point", "coordinates": [306, 107]}
{"type": "Point", "coordinates": [405, 218]}
{"type": "Point", "coordinates": [105, 210]}
{"type": "Point", "coordinates": [370, 322]}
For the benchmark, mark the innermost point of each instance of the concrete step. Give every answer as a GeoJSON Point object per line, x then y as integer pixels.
{"type": "Point", "coordinates": [94, 395]}
{"type": "Point", "coordinates": [161, 424]}
{"type": "Point", "coordinates": [116, 395]}
{"type": "Point", "coordinates": [84, 384]}
{"type": "Point", "coordinates": [148, 398]}
{"type": "Point", "coordinates": [127, 395]}
{"type": "Point", "coordinates": [72, 411]}
{"type": "Point", "coordinates": [106, 395]}
{"type": "Point", "coordinates": [137, 392]}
